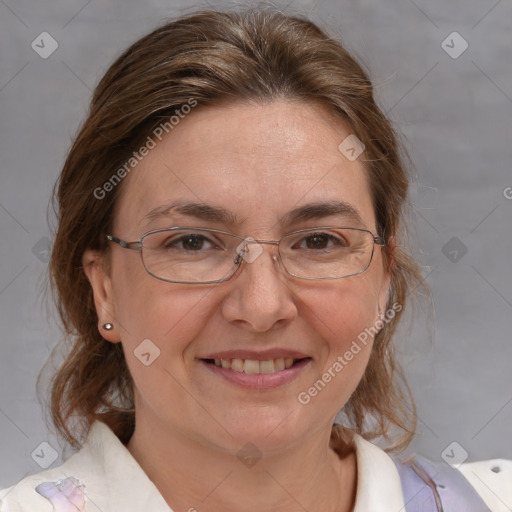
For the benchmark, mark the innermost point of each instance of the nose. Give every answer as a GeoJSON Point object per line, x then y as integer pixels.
{"type": "Point", "coordinates": [260, 298]}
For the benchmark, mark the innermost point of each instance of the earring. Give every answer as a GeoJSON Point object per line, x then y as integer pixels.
{"type": "Point", "coordinates": [108, 327]}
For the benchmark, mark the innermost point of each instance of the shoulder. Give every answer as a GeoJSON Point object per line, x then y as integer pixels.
{"type": "Point", "coordinates": [103, 475]}
{"type": "Point", "coordinates": [391, 483]}
{"type": "Point", "coordinates": [492, 479]}
{"type": "Point", "coordinates": [38, 492]}
{"type": "Point", "coordinates": [484, 486]}
{"type": "Point", "coordinates": [53, 489]}
{"type": "Point", "coordinates": [61, 487]}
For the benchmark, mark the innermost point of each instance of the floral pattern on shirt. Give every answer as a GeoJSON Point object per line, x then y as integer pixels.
{"type": "Point", "coordinates": [65, 495]}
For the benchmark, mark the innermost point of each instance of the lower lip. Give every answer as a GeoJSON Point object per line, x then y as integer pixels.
{"type": "Point", "coordinates": [258, 380]}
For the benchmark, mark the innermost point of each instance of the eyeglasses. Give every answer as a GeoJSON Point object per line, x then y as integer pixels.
{"type": "Point", "coordinates": [207, 256]}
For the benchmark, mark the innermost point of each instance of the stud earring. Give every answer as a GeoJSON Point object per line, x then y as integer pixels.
{"type": "Point", "coordinates": [108, 327]}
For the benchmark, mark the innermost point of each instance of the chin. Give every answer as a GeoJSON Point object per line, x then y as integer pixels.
{"type": "Point", "coordinates": [268, 431]}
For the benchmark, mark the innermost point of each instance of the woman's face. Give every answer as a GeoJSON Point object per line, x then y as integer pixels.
{"type": "Point", "coordinates": [257, 163]}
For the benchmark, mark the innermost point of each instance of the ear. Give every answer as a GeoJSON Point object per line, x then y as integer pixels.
{"type": "Point", "coordinates": [97, 271]}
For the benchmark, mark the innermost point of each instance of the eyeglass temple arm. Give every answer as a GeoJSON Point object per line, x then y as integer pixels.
{"type": "Point", "coordinates": [134, 246]}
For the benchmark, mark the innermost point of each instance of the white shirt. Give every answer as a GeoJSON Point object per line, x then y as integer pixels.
{"type": "Point", "coordinates": [113, 481]}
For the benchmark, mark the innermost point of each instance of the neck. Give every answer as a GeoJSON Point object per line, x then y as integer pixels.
{"type": "Point", "coordinates": [197, 475]}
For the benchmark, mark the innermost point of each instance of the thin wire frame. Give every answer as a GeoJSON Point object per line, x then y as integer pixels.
{"type": "Point", "coordinates": [138, 245]}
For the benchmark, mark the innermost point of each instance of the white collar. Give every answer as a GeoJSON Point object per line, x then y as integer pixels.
{"type": "Point", "coordinates": [114, 481]}
{"type": "Point", "coordinates": [378, 482]}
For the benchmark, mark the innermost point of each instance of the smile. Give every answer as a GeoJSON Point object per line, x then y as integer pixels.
{"type": "Point", "coordinates": [254, 374]}
{"type": "Point", "coordinates": [253, 366]}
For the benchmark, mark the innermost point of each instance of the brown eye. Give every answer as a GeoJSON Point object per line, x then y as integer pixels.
{"type": "Point", "coordinates": [189, 242]}
{"type": "Point", "coordinates": [319, 241]}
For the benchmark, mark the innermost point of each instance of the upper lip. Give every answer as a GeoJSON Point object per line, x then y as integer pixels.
{"type": "Point", "coordinates": [264, 355]}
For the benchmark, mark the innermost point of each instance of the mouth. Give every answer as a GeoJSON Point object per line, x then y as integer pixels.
{"type": "Point", "coordinates": [253, 366]}
{"type": "Point", "coordinates": [257, 374]}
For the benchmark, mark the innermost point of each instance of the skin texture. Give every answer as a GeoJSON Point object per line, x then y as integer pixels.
{"type": "Point", "coordinates": [259, 161]}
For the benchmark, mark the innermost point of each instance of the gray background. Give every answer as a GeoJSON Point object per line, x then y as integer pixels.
{"type": "Point", "coordinates": [456, 114]}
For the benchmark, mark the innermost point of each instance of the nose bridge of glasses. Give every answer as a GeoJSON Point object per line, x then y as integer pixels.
{"type": "Point", "coordinates": [244, 251]}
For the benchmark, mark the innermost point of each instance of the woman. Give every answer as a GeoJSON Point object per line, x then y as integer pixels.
{"type": "Point", "coordinates": [229, 264]}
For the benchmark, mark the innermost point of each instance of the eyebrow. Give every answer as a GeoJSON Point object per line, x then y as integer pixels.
{"type": "Point", "coordinates": [200, 211]}
{"type": "Point", "coordinates": [319, 210]}
{"type": "Point", "coordinates": [211, 213]}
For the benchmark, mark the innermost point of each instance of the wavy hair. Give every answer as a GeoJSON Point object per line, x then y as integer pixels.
{"type": "Point", "coordinates": [216, 58]}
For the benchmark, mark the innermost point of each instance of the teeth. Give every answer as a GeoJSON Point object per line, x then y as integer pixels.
{"type": "Point", "coordinates": [251, 366]}
{"type": "Point", "coordinates": [279, 364]}
{"type": "Point", "coordinates": [266, 366]}
{"type": "Point", "coordinates": [236, 364]}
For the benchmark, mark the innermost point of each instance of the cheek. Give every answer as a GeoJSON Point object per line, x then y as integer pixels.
{"type": "Point", "coordinates": [166, 314]}
{"type": "Point", "coordinates": [170, 318]}
{"type": "Point", "coordinates": [161, 323]}
{"type": "Point", "coordinates": [343, 318]}
{"type": "Point", "coordinates": [340, 313]}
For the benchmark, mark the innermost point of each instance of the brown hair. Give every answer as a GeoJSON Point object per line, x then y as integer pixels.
{"type": "Point", "coordinates": [213, 58]}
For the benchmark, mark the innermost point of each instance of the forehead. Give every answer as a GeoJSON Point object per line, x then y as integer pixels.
{"type": "Point", "coordinates": [257, 161]}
